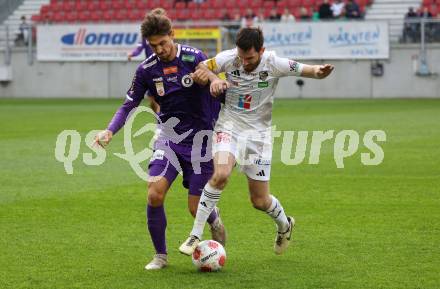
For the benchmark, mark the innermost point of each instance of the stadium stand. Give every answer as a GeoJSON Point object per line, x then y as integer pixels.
{"type": "Point", "coordinates": [394, 11]}
{"type": "Point", "coordinates": [128, 10]}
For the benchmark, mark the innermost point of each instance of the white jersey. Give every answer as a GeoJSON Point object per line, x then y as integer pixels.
{"type": "Point", "coordinates": [249, 100]}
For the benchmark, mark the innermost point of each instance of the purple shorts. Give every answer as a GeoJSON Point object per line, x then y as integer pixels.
{"type": "Point", "coordinates": [169, 159]}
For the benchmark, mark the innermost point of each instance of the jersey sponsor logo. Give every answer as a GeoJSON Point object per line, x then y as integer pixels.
{"type": "Point", "coordinates": [187, 81]}
{"type": "Point", "coordinates": [263, 75]}
{"type": "Point", "coordinates": [293, 65]}
{"type": "Point", "coordinates": [244, 101]}
{"type": "Point", "coordinates": [236, 72]}
{"type": "Point", "coordinates": [170, 70]}
{"type": "Point", "coordinates": [158, 155]}
{"type": "Point", "coordinates": [172, 79]}
{"type": "Point", "coordinates": [160, 88]}
{"type": "Point", "coordinates": [212, 64]}
{"type": "Point", "coordinates": [148, 65]}
{"type": "Point", "coordinates": [223, 137]}
{"type": "Point", "coordinates": [263, 84]}
{"type": "Point", "coordinates": [262, 162]}
{"type": "Point", "coordinates": [157, 79]}
{"type": "Point", "coordinates": [188, 58]}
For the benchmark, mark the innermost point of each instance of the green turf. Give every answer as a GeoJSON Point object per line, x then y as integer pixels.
{"type": "Point", "coordinates": [357, 227]}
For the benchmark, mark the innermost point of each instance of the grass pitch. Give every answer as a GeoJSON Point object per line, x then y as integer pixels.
{"type": "Point", "coordinates": [357, 227]}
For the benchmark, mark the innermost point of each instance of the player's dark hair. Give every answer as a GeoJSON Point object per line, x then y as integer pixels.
{"type": "Point", "coordinates": [250, 37]}
{"type": "Point", "coordinates": [156, 22]}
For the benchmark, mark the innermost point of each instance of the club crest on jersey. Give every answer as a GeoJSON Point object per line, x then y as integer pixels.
{"type": "Point", "coordinates": [237, 62]}
{"type": "Point", "coordinates": [187, 81]}
{"type": "Point", "coordinates": [263, 75]}
{"type": "Point", "coordinates": [160, 88]}
{"type": "Point", "coordinates": [244, 101]}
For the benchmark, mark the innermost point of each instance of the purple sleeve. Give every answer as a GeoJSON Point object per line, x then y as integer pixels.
{"type": "Point", "coordinates": [134, 97]}
{"type": "Point", "coordinates": [137, 50]}
{"type": "Point", "coordinates": [121, 115]}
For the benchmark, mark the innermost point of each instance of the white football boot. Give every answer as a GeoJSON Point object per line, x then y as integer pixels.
{"type": "Point", "coordinates": [283, 238]}
{"type": "Point", "coordinates": [218, 232]}
{"type": "Point", "coordinates": [189, 245]}
{"type": "Point", "coordinates": [159, 261]}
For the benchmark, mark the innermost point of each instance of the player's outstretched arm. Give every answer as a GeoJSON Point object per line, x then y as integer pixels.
{"type": "Point", "coordinates": [317, 71]}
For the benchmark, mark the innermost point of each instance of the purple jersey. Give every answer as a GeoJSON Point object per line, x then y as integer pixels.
{"type": "Point", "coordinates": [175, 91]}
{"type": "Point", "coordinates": [143, 45]}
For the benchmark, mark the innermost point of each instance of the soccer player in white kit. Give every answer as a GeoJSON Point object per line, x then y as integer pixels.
{"type": "Point", "coordinates": [242, 133]}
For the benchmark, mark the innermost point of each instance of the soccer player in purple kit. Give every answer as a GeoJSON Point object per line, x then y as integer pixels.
{"type": "Point", "coordinates": [167, 76]}
{"type": "Point", "coordinates": [142, 46]}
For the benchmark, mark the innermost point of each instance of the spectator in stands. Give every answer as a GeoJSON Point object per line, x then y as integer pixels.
{"type": "Point", "coordinates": [352, 10]}
{"type": "Point", "coordinates": [142, 46]}
{"type": "Point", "coordinates": [23, 34]}
{"type": "Point", "coordinates": [429, 27]}
{"type": "Point", "coordinates": [287, 16]}
{"type": "Point", "coordinates": [248, 19]}
{"type": "Point", "coordinates": [225, 15]}
{"type": "Point", "coordinates": [325, 11]}
{"type": "Point", "coordinates": [338, 9]}
{"type": "Point", "coordinates": [260, 17]}
{"type": "Point", "coordinates": [410, 28]}
{"type": "Point", "coordinates": [315, 14]}
{"type": "Point", "coordinates": [274, 16]}
{"type": "Point", "coordinates": [304, 13]}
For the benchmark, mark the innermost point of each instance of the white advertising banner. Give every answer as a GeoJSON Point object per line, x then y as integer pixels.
{"type": "Point", "coordinates": [88, 42]}
{"type": "Point", "coordinates": [328, 40]}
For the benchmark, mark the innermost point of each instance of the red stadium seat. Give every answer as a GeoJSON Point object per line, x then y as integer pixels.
{"type": "Point", "coordinates": [268, 4]}
{"type": "Point", "coordinates": [93, 6]}
{"type": "Point", "coordinates": [434, 10]}
{"type": "Point", "coordinates": [68, 6]}
{"type": "Point", "coordinates": [141, 5]}
{"type": "Point", "coordinates": [108, 16]}
{"type": "Point", "coordinates": [308, 3]}
{"type": "Point", "coordinates": [294, 3]}
{"type": "Point", "coordinates": [57, 17]}
{"type": "Point", "coordinates": [193, 5]}
{"type": "Point", "coordinates": [36, 18]}
{"type": "Point", "coordinates": [180, 5]}
{"type": "Point", "coordinates": [103, 6]}
{"type": "Point", "coordinates": [81, 6]}
{"type": "Point", "coordinates": [117, 5]}
{"type": "Point", "coordinates": [45, 9]}
{"type": "Point", "coordinates": [129, 5]}
{"type": "Point", "coordinates": [172, 14]}
{"type": "Point", "coordinates": [121, 15]}
{"type": "Point", "coordinates": [257, 4]}
{"type": "Point", "coordinates": [230, 4]}
{"type": "Point", "coordinates": [71, 16]}
{"type": "Point", "coordinates": [96, 16]}
{"type": "Point", "coordinates": [182, 14]}
{"type": "Point", "coordinates": [282, 4]}
{"type": "Point", "coordinates": [84, 16]}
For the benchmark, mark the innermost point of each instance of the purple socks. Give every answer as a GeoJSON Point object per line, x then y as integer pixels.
{"type": "Point", "coordinates": [157, 223]}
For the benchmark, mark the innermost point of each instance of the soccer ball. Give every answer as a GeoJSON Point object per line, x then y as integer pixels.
{"type": "Point", "coordinates": [209, 256]}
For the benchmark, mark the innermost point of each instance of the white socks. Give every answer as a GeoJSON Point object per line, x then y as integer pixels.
{"type": "Point", "coordinates": [276, 211]}
{"type": "Point", "coordinates": [207, 203]}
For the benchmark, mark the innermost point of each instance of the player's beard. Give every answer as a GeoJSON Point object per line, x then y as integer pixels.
{"type": "Point", "coordinates": [169, 56]}
{"type": "Point", "coordinates": [251, 67]}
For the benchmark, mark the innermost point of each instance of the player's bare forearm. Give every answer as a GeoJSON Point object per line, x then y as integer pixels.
{"type": "Point", "coordinates": [154, 105]}
{"type": "Point", "coordinates": [317, 71]}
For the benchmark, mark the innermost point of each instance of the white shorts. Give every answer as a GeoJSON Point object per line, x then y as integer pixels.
{"type": "Point", "coordinates": [252, 151]}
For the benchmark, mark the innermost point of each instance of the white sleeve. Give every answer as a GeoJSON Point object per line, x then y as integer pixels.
{"type": "Point", "coordinates": [285, 67]}
{"type": "Point", "coordinates": [218, 63]}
